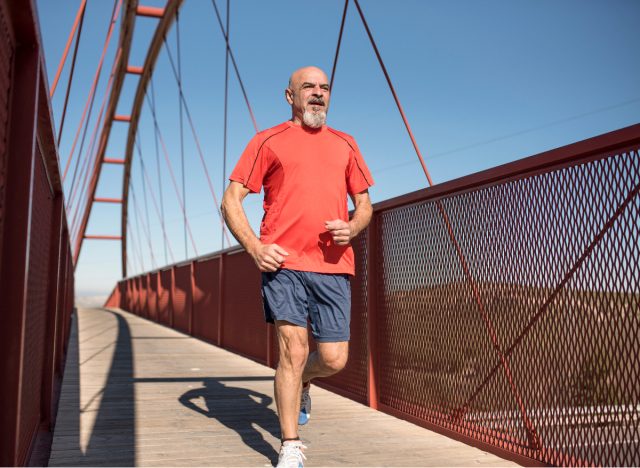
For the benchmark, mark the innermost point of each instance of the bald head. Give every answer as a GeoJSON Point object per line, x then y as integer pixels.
{"type": "Point", "coordinates": [301, 74]}
{"type": "Point", "coordinates": [308, 95]}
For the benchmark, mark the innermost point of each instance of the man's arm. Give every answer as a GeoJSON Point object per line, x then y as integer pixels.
{"type": "Point", "coordinates": [342, 231]}
{"type": "Point", "coordinates": [268, 257]}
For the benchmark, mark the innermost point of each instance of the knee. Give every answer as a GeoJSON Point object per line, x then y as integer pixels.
{"type": "Point", "coordinates": [334, 362]}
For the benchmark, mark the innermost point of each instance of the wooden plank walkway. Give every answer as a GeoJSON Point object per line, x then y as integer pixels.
{"type": "Point", "coordinates": [139, 394]}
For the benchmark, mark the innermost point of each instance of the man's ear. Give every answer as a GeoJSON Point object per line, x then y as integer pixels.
{"type": "Point", "coordinates": [288, 94]}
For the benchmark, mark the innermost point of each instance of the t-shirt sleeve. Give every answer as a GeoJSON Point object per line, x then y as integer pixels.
{"type": "Point", "coordinates": [252, 165]}
{"type": "Point", "coordinates": [358, 176]}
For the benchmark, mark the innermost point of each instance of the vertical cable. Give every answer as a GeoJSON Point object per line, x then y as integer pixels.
{"type": "Point", "coordinates": [235, 67]}
{"type": "Point", "coordinates": [198, 145]}
{"type": "Point", "coordinates": [335, 59]}
{"type": "Point", "coordinates": [226, 98]}
{"type": "Point", "coordinates": [146, 231]}
{"type": "Point", "coordinates": [155, 132]}
{"type": "Point", "coordinates": [144, 187]}
{"type": "Point", "coordinates": [184, 198]}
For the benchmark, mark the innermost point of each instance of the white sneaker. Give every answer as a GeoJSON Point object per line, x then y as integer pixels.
{"type": "Point", "coordinates": [291, 455]}
{"type": "Point", "coordinates": [305, 406]}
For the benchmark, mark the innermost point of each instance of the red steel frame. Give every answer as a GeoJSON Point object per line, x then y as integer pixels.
{"type": "Point", "coordinates": [622, 143]}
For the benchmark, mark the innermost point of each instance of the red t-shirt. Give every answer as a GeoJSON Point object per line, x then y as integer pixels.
{"type": "Point", "coordinates": [306, 176]}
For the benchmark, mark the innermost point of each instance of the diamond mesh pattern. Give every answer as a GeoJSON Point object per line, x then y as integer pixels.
{"type": "Point", "coordinates": [36, 312]}
{"type": "Point", "coordinates": [244, 328]}
{"type": "Point", "coordinates": [181, 298]}
{"type": "Point", "coordinates": [6, 65]}
{"type": "Point", "coordinates": [205, 299]}
{"type": "Point", "coordinates": [554, 265]}
{"type": "Point", "coordinates": [353, 378]}
{"type": "Point", "coordinates": [507, 313]}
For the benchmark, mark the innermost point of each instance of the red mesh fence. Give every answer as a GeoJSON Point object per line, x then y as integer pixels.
{"type": "Point", "coordinates": [136, 289]}
{"type": "Point", "coordinates": [500, 308]}
{"type": "Point", "coordinates": [143, 293]}
{"type": "Point", "coordinates": [36, 310]}
{"type": "Point", "coordinates": [164, 297]}
{"type": "Point", "coordinates": [181, 298]}
{"type": "Point", "coordinates": [152, 296]}
{"type": "Point", "coordinates": [36, 274]}
{"type": "Point", "coordinates": [244, 328]}
{"type": "Point", "coordinates": [352, 380]}
{"type": "Point", "coordinates": [206, 308]}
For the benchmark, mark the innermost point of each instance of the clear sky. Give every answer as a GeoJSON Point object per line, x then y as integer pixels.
{"type": "Point", "coordinates": [481, 82]}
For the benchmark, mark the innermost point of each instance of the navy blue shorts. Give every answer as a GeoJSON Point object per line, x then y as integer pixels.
{"type": "Point", "coordinates": [324, 299]}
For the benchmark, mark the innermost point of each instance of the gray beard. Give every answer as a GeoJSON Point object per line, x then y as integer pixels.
{"type": "Point", "coordinates": [314, 119]}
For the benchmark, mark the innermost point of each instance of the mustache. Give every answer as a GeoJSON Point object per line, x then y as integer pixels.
{"type": "Point", "coordinates": [316, 101]}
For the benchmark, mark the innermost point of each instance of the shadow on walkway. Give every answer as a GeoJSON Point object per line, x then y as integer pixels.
{"type": "Point", "coordinates": [239, 409]}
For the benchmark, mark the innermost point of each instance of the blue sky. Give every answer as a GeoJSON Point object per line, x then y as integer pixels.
{"type": "Point", "coordinates": [482, 84]}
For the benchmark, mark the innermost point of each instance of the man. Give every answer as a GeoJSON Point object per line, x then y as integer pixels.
{"type": "Point", "coordinates": [304, 249]}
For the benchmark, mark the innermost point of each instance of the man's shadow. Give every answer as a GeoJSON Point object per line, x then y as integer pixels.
{"type": "Point", "coordinates": [238, 409]}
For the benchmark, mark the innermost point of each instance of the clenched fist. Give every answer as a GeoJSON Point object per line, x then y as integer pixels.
{"type": "Point", "coordinates": [269, 257]}
{"type": "Point", "coordinates": [340, 231]}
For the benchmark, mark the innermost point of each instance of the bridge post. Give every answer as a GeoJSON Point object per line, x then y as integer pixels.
{"type": "Point", "coordinates": [192, 271]}
{"type": "Point", "coordinates": [372, 319]}
{"type": "Point", "coordinates": [172, 292]}
{"type": "Point", "coordinates": [221, 300]}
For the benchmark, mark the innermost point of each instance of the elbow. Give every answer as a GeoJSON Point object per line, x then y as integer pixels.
{"type": "Point", "coordinates": [224, 207]}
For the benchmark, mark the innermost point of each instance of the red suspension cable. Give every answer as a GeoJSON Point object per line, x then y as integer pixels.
{"type": "Point", "coordinates": [171, 173]}
{"type": "Point", "coordinates": [94, 133]}
{"type": "Point", "coordinates": [96, 78]}
{"type": "Point", "coordinates": [235, 66]}
{"type": "Point", "coordinates": [157, 154]}
{"type": "Point", "coordinates": [133, 249]}
{"type": "Point", "coordinates": [335, 58]}
{"type": "Point", "coordinates": [71, 74]}
{"type": "Point", "coordinates": [199, 147]}
{"type": "Point", "coordinates": [63, 59]}
{"type": "Point", "coordinates": [531, 432]}
{"type": "Point", "coordinates": [160, 217]}
{"type": "Point", "coordinates": [146, 231]}
{"type": "Point", "coordinates": [395, 96]}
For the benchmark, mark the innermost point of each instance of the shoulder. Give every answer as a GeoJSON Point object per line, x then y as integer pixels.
{"type": "Point", "coordinates": [261, 138]}
{"type": "Point", "coordinates": [344, 137]}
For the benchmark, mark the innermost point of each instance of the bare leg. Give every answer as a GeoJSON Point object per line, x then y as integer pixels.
{"type": "Point", "coordinates": [294, 350]}
{"type": "Point", "coordinates": [329, 359]}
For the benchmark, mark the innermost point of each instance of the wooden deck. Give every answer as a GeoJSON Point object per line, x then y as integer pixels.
{"type": "Point", "coordinates": [139, 394]}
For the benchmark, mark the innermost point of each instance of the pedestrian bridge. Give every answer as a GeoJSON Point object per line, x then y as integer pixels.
{"type": "Point", "coordinates": [136, 393]}
{"type": "Point", "coordinates": [494, 317]}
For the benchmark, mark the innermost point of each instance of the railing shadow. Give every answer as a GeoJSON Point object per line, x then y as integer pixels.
{"type": "Point", "coordinates": [116, 413]}
{"type": "Point", "coordinates": [114, 424]}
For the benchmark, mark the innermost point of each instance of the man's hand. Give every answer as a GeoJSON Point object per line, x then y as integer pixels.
{"type": "Point", "coordinates": [340, 231]}
{"type": "Point", "coordinates": [269, 257]}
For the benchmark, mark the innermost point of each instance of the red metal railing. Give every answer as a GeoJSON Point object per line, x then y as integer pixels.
{"type": "Point", "coordinates": [553, 245]}
{"type": "Point", "coordinates": [36, 270]}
